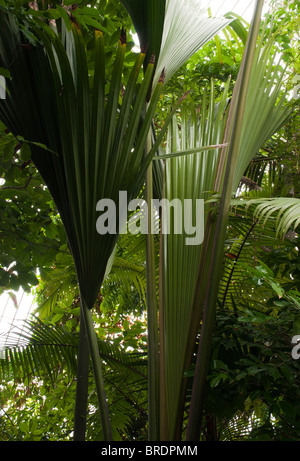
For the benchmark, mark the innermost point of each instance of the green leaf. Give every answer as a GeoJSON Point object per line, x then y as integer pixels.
{"type": "Point", "coordinates": [186, 29]}
{"type": "Point", "coordinates": [24, 427]}
{"type": "Point", "coordinates": [188, 176]}
{"type": "Point", "coordinates": [65, 16]}
{"type": "Point", "coordinates": [4, 72]}
{"type": "Point", "coordinates": [286, 210]}
{"type": "Point", "coordinates": [237, 26]}
{"type": "Point", "coordinates": [25, 152]}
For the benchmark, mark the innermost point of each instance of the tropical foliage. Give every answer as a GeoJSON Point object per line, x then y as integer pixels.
{"type": "Point", "coordinates": [187, 342]}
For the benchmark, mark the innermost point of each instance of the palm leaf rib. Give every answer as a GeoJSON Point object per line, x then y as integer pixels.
{"type": "Point", "coordinates": [235, 252]}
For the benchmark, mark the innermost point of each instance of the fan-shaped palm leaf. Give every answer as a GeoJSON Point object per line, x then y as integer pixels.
{"type": "Point", "coordinates": [218, 172]}
{"type": "Point", "coordinates": [172, 30]}
{"type": "Point", "coordinates": [95, 144]}
{"type": "Point", "coordinates": [229, 174]}
{"type": "Point", "coordinates": [189, 176]}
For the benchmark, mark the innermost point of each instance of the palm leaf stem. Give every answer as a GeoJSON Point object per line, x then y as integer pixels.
{"type": "Point", "coordinates": [153, 355]}
{"type": "Point", "coordinates": [97, 369]}
{"type": "Point", "coordinates": [82, 386]}
{"type": "Point", "coordinates": [203, 355]}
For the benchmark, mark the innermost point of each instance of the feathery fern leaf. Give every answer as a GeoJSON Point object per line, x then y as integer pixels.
{"type": "Point", "coordinates": [284, 210]}
{"type": "Point", "coordinates": [46, 349]}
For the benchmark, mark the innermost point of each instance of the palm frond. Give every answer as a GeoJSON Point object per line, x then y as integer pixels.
{"type": "Point", "coordinates": [130, 275]}
{"type": "Point", "coordinates": [41, 350]}
{"type": "Point", "coordinates": [238, 250]}
{"type": "Point", "coordinates": [187, 28]}
{"type": "Point", "coordinates": [207, 173]}
{"type": "Point", "coordinates": [126, 271]}
{"type": "Point", "coordinates": [99, 148]}
{"type": "Point", "coordinates": [57, 285]}
{"type": "Point", "coordinates": [173, 30]}
{"type": "Point", "coordinates": [265, 91]}
{"type": "Point", "coordinates": [44, 350]}
{"type": "Point", "coordinates": [189, 176]}
{"type": "Point", "coordinates": [246, 244]}
{"type": "Point", "coordinates": [95, 142]}
{"type": "Point", "coordinates": [285, 211]}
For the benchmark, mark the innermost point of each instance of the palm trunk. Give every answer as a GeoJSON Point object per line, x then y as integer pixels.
{"type": "Point", "coordinates": [152, 320]}
{"type": "Point", "coordinates": [82, 386]}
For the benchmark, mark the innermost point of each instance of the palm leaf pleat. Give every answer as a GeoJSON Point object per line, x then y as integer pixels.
{"type": "Point", "coordinates": [186, 271]}
{"type": "Point", "coordinates": [189, 176]}
{"type": "Point", "coordinates": [95, 146]}
{"type": "Point", "coordinates": [173, 31]}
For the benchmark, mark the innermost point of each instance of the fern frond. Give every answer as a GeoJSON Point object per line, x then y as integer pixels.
{"type": "Point", "coordinates": [284, 210]}
{"type": "Point", "coordinates": [45, 349]}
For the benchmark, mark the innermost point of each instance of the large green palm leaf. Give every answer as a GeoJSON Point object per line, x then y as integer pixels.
{"type": "Point", "coordinates": [94, 141]}
{"type": "Point", "coordinates": [247, 108]}
{"type": "Point", "coordinates": [172, 30]}
{"type": "Point", "coordinates": [95, 150]}
{"type": "Point", "coordinates": [194, 275]}
{"type": "Point", "coordinates": [189, 176]}
{"type": "Point", "coordinates": [50, 352]}
{"type": "Point", "coordinates": [40, 349]}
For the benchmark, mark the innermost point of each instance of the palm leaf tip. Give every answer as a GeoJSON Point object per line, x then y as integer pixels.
{"type": "Point", "coordinates": [162, 76]}
{"type": "Point", "coordinates": [186, 29]}
{"type": "Point", "coordinates": [123, 36]}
